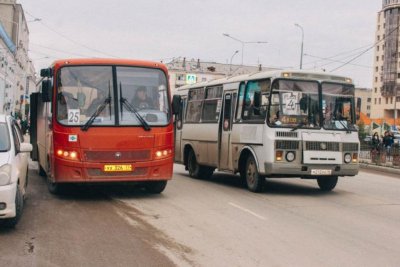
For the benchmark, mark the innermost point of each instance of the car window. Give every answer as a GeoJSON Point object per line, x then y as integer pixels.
{"type": "Point", "coordinates": [17, 138]}
{"type": "Point", "coordinates": [4, 138]}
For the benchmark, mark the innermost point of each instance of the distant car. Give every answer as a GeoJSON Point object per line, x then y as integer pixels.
{"type": "Point", "coordinates": [14, 154]}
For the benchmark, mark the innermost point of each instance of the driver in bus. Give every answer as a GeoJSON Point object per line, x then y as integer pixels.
{"type": "Point", "coordinates": [101, 97]}
{"type": "Point", "coordinates": [141, 100]}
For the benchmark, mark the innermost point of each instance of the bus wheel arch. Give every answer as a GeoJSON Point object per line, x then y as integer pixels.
{"type": "Point", "coordinates": [249, 171]}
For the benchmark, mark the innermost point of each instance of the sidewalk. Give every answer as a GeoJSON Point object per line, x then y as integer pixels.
{"type": "Point", "coordinates": [366, 164]}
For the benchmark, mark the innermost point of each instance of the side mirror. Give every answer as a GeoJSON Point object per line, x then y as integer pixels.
{"type": "Point", "coordinates": [25, 147]}
{"type": "Point", "coordinates": [47, 91]}
{"type": "Point", "coordinates": [257, 99]}
{"type": "Point", "coordinates": [46, 73]}
{"type": "Point", "coordinates": [176, 104]}
{"type": "Point", "coordinates": [358, 108]}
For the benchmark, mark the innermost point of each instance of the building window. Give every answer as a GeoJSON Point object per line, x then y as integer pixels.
{"type": "Point", "coordinates": [383, 57]}
{"type": "Point", "coordinates": [377, 48]}
{"type": "Point", "coordinates": [398, 99]}
{"type": "Point", "coordinates": [391, 100]}
{"type": "Point", "coordinates": [380, 102]}
{"type": "Point", "coordinates": [387, 100]}
{"type": "Point", "coordinates": [368, 100]}
{"type": "Point", "coordinates": [368, 108]}
{"type": "Point", "coordinates": [376, 90]}
{"type": "Point", "coordinates": [376, 69]}
{"type": "Point", "coordinates": [376, 79]}
{"type": "Point", "coordinates": [378, 37]}
{"type": "Point", "coordinates": [375, 101]}
{"type": "Point", "coordinates": [377, 58]}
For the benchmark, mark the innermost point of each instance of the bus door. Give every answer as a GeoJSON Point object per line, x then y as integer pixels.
{"type": "Point", "coordinates": [225, 129]}
{"type": "Point", "coordinates": [178, 131]}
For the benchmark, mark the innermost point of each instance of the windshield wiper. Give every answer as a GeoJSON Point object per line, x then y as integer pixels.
{"type": "Point", "coordinates": [131, 109]}
{"type": "Point", "coordinates": [99, 109]}
{"type": "Point", "coordinates": [344, 126]}
{"type": "Point", "coordinates": [301, 124]}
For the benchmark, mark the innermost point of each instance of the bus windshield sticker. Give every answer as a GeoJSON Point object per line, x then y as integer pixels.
{"type": "Point", "coordinates": [72, 138]}
{"type": "Point", "coordinates": [290, 101]}
{"type": "Point", "coordinates": [74, 116]}
{"type": "Point", "coordinates": [219, 104]}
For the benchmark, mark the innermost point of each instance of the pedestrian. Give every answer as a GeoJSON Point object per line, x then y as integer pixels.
{"type": "Point", "coordinates": [388, 142]}
{"type": "Point", "coordinates": [375, 141]}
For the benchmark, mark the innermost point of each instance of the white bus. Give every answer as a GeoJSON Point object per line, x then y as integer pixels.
{"type": "Point", "coordinates": [269, 124]}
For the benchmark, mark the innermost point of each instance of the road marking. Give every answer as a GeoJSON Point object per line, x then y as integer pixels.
{"type": "Point", "coordinates": [248, 211]}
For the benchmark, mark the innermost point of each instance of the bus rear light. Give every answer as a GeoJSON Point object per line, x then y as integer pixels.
{"type": "Point", "coordinates": [71, 155]}
{"type": "Point", "coordinates": [279, 155]}
{"type": "Point", "coordinates": [163, 153]}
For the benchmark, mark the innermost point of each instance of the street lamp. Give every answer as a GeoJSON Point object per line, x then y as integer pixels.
{"type": "Point", "coordinates": [302, 42]}
{"type": "Point", "coordinates": [230, 64]}
{"type": "Point", "coordinates": [243, 43]}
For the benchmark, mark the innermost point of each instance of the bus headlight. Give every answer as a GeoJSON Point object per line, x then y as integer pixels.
{"type": "Point", "coordinates": [163, 153]}
{"type": "Point", "coordinates": [347, 158]}
{"type": "Point", "coordinates": [67, 154]}
{"type": "Point", "coordinates": [290, 156]}
{"type": "Point", "coordinates": [5, 174]}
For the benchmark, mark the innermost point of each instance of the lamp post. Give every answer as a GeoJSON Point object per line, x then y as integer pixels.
{"type": "Point", "coordinates": [230, 63]}
{"type": "Point", "coordinates": [243, 42]}
{"type": "Point", "coordinates": [302, 42]}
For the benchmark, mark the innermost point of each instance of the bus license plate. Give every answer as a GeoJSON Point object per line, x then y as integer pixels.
{"type": "Point", "coordinates": [321, 172]}
{"type": "Point", "coordinates": [118, 168]}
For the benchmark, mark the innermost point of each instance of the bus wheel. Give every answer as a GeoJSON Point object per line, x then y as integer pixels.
{"type": "Point", "coordinates": [155, 187]}
{"type": "Point", "coordinates": [54, 188]}
{"type": "Point", "coordinates": [254, 180]}
{"type": "Point", "coordinates": [193, 166]}
{"type": "Point", "coordinates": [327, 183]}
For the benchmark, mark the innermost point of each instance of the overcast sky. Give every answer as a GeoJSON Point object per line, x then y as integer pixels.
{"type": "Point", "coordinates": [164, 29]}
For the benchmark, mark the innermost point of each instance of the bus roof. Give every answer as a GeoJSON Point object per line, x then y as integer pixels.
{"type": "Point", "coordinates": [109, 61]}
{"type": "Point", "coordinates": [296, 74]}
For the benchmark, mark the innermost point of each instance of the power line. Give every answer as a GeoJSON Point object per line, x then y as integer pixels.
{"type": "Point", "coordinates": [69, 39]}
{"type": "Point", "coordinates": [61, 51]}
{"type": "Point", "coordinates": [362, 53]}
{"type": "Point", "coordinates": [334, 61]}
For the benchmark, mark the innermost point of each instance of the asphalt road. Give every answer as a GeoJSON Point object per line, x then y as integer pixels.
{"type": "Point", "coordinates": [213, 222]}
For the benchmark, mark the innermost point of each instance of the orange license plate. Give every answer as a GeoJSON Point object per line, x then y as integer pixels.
{"type": "Point", "coordinates": [118, 168]}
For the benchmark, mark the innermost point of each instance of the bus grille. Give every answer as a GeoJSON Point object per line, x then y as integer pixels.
{"type": "Point", "coordinates": [286, 134]}
{"type": "Point", "coordinates": [350, 147]}
{"type": "Point", "coordinates": [117, 156]}
{"type": "Point", "coordinates": [285, 144]}
{"type": "Point", "coordinates": [100, 173]}
{"type": "Point", "coordinates": [322, 146]}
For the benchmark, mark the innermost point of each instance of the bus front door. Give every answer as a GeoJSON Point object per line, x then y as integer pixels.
{"type": "Point", "coordinates": [225, 128]}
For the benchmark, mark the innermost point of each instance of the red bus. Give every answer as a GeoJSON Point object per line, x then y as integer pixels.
{"type": "Point", "coordinates": [103, 120]}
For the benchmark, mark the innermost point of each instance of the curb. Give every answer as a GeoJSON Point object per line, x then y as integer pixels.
{"type": "Point", "coordinates": [380, 168]}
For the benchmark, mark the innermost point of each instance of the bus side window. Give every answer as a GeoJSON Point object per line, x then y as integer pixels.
{"type": "Point", "coordinates": [240, 101]}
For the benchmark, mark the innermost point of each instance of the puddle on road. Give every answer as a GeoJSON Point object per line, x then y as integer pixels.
{"type": "Point", "coordinates": [175, 251]}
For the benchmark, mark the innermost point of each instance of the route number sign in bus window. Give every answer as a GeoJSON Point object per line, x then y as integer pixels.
{"type": "Point", "coordinates": [74, 116]}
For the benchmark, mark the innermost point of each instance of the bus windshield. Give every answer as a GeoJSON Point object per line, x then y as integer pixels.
{"type": "Point", "coordinates": [92, 92]}
{"type": "Point", "coordinates": [294, 104]}
{"type": "Point", "coordinates": [338, 106]}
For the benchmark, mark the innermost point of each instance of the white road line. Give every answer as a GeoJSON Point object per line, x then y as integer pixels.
{"type": "Point", "coordinates": [248, 211]}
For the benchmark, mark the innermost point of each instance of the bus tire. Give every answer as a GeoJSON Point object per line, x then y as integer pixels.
{"type": "Point", "coordinates": [193, 166]}
{"type": "Point", "coordinates": [327, 183]}
{"type": "Point", "coordinates": [54, 188]}
{"type": "Point", "coordinates": [155, 187]}
{"type": "Point", "coordinates": [254, 180]}
{"type": "Point", "coordinates": [19, 205]}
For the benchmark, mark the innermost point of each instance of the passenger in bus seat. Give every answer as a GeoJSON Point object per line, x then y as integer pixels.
{"type": "Point", "coordinates": [101, 97]}
{"type": "Point", "coordinates": [141, 100]}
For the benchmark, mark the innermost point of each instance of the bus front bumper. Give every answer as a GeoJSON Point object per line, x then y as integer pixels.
{"type": "Point", "coordinates": [308, 170]}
